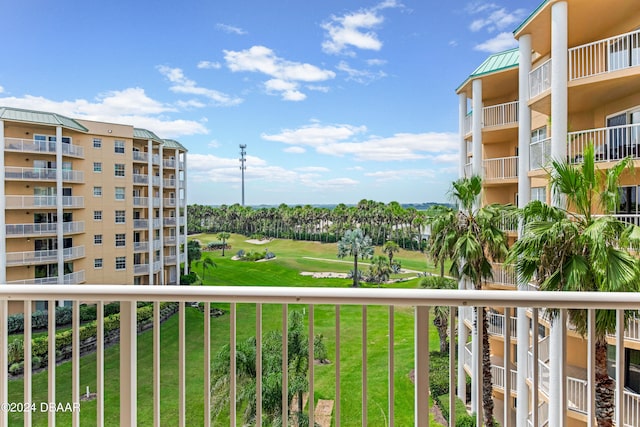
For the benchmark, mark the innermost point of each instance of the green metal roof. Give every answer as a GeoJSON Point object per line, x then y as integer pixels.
{"type": "Point", "coordinates": [172, 143]}
{"type": "Point", "coordinates": [530, 17]}
{"type": "Point", "coordinates": [146, 134]}
{"type": "Point", "coordinates": [497, 62]}
{"type": "Point", "coordinates": [40, 117]}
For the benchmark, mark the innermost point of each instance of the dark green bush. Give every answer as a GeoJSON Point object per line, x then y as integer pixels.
{"type": "Point", "coordinates": [188, 279]}
{"type": "Point", "coordinates": [438, 373]}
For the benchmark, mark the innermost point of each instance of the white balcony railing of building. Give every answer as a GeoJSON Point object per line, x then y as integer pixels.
{"type": "Point", "coordinates": [68, 279]}
{"type": "Point", "coordinates": [167, 221]}
{"type": "Point", "coordinates": [140, 246]}
{"type": "Point", "coordinates": [22, 202]}
{"type": "Point", "coordinates": [610, 143]}
{"type": "Point", "coordinates": [141, 201]}
{"type": "Point", "coordinates": [496, 324]}
{"type": "Point", "coordinates": [503, 275]}
{"type": "Point", "coordinates": [169, 201]}
{"type": "Point", "coordinates": [31, 146]}
{"type": "Point", "coordinates": [169, 163]}
{"type": "Point", "coordinates": [501, 168]}
{"type": "Point", "coordinates": [468, 170]}
{"type": "Point", "coordinates": [41, 257]}
{"type": "Point", "coordinates": [12, 173]}
{"type": "Point", "coordinates": [605, 56]}
{"type": "Point", "coordinates": [500, 115]}
{"type": "Point", "coordinates": [140, 178]}
{"type": "Point", "coordinates": [42, 229]}
{"type": "Point", "coordinates": [141, 269]}
{"type": "Point", "coordinates": [468, 122]}
{"type": "Point", "coordinates": [335, 300]}
{"type": "Point", "coordinates": [140, 156]}
{"type": "Point", "coordinates": [540, 79]}
{"type": "Point", "coordinates": [169, 183]}
{"type": "Point", "coordinates": [539, 153]}
{"type": "Point", "coordinates": [140, 223]}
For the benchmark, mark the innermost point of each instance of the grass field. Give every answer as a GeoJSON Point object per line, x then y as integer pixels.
{"type": "Point", "coordinates": [292, 258]}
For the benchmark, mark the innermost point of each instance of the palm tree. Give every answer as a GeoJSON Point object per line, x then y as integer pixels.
{"type": "Point", "coordinates": [224, 236]}
{"type": "Point", "coordinates": [379, 270]}
{"type": "Point", "coordinates": [390, 247]}
{"type": "Point", "coordinates": [206, 263]}
{"type": "Point", "coordinates": [441, 220]}
{"type": "Point", "coordinates": [194, 252]}
{"type": "Point", "coordinates": [354, 243]}
{"type": "Point", "coordinates": [440, 312]}
{"type": "Point", "coordinates": [579, 251]}
{"type": "Point", "coordinates": [474, 239]}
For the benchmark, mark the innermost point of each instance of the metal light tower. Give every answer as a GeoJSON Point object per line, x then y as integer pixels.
{"type": "Point", "coordinates": [243, 167]}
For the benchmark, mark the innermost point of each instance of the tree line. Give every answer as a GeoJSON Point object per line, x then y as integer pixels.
{"type": "Point", "coordinates": [380, 221]}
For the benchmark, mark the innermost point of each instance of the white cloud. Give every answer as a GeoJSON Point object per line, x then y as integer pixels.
{"type": "Point", "coordinates": [213, 144]}
{"type": "Point", "coordinates": [1, 89]}
{"type": "Point", "coordinates": [360, 76]}
{"type": "Point", "coordinates": [313, 169]}
{"type": "Point", "coordinates": [315, 135]}
{"type": "Point", "coordinates": [497, 18]}
{"type": "Point", "coordinates": [130, 106]}
{"type": "Point", "coordinates": [502, 41]}
{"type": "Point", "coordinates": [376, 62]}
{"type": "Point", "coordinates": [286, 76]}
{"type": "Point", "coordinates": [295, 150]}
{"type": "Point", "coordinates": [230, 29]}
{"type": "Point", "coordinates": [209, 65]}
{"type": "Point", "coordinates": [400, 174]}
{"type": "Point", "coordinates": [181, 84]}
{"type": "Point", "coordinates": [355, 29]}
{"type": "Point", "coordinates": [340, 140]}
{"type": "Point", "coordinates": [192, 103]}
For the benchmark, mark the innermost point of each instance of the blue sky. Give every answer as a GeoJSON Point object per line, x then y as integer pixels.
{"type": "Point", "coordinates": [336, 100]}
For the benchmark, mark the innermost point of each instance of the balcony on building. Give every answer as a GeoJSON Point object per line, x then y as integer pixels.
{"type": "Point", "coordinates": [12, 173]}
{"type": "Point", "coordinates": [43, 229]}
{"type": "Point", "coordinates": [30, 202]}
{"type": "Point", "coordinates": [42, 147]}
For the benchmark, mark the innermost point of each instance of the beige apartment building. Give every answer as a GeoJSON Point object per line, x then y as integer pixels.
{"type": "Point", "coordinates": [573, 80]}
{"type": "Point", "coordinates": [88, 202]}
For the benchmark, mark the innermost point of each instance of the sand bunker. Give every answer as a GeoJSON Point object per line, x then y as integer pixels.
{"type": "Point", "coordinates": [325, 275]}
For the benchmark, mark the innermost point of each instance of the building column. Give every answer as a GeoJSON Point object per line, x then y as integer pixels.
{"type": "Point", "coordinates": [150, 227]}
{"type": "Point", "coordinates": [176, 176]}
{"type": "Point", "coordinates": [161, 165]}
{"type": "Point", "coordinates": [524, 197]}
{"type": "Point", "coordinates": [462, 114]}
{"type": "Point", "coordinates": [559, 47]}
{"type": "Point", "coordinates": [477, 127]}
{"type": "Point", "coordinates": [3, 241]}
{"type": "Point", "coordinates": [59, 206]}
{"type": "Point", "coordinates": [184, 195]}
{"type": "Point", "coordinates": [463, 336]}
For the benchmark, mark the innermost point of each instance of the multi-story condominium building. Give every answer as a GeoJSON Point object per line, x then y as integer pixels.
{"type": "Point", "coordinates": [574, 80]}
{"type": "Point", "coordinates": [89, 202]}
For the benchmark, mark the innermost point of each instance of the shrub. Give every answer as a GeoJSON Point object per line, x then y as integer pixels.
{"type": "Point", "coordinates": [240, 253]}
{"type": "Point", "coordinates": [269, 255]}
{"type": "Point", "coordinates": [15, 323]}
{"type": "Point", "coordinates": [15, 351]}
{"type": "Point", "coordinates": [438, 373]}
{"type": "Point", "coordinates": [436, 282]}
{"type": "Point", "coordinates": [189, 279]}
{"type": "Point", "coordinates": [88, 313]}
{"type": "Point", "coordinates": [16, 368]}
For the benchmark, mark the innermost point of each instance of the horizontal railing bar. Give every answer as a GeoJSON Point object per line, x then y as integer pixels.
{"type": "Point", "coordinates": [305, 295]}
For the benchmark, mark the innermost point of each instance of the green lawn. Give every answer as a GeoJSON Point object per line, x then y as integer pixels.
{"type": "Point", "coordinates": [284, 271]}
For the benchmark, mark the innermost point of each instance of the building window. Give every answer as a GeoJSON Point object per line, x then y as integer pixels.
{"type": "Point", "coordinates": [97, 215]}
{"type": "Point", "coordinates": [119, 193]}
{"type": "Point", "coordinates": [118, 146]}
{"type": "Point", "coordinates": [97, 239]}
{"type": "Point", "coordinates": [97, 191]}
{"type": "Point", "coordinates": [119, 217]}
{"type": "Point", "coordinates": [121, 263]}
{"type": "Point", "coordinates": [97, 167]}
{"type": "Point", "coordinates": [119, 169]}
{"type": "Point", "coordinates": [539, 193]}
{"type": "Point", "coordinates": [97, 263]}
{"type": "Point", "coordinates": [97, 142]}
{"type": "Point", "coordinates": [121, 240]}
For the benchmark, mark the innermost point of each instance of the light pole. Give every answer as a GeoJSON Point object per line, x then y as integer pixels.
{"type": "Point", "coordinates": [243, 167]}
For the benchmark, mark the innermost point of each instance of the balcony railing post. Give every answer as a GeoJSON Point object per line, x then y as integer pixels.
{"type": "Point", "coordinates": [421, 370]}
{"type": "Point", "coordinates": [4, 376]}
{"type": "Point", "coordinates": [620, 368]}
{"type": "Point", "coordinates": [128, 364]}
{"type": "Point", "coordinates": [452, 364]}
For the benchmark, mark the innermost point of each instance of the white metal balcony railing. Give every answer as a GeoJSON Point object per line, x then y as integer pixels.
{"type": "Point", "coordinates": [22, 202]}
{"type": "Point", "coordinates": [169, 201]}
{"type": "Point", "coordinates": [140, 178]}
{"type": "Point", "coordinates": [605, 56]}
{"type": "Point", "coordinates": [141, 201]}
{"type": "Point", "coordinates": [335, 300]}
{"type": "Point", "coordinates": [170, 259]}
{"type": "Point", "coordinates": [157, 223]}
{"type": "Point", "coordinates": [140, 223]}
{"type": "Point", "coordinates": [140, 246]}
{"type": "Point", "coordinates": [168, 221]}
{"type": "Point", "coordinates": [12, 173]}
{"type": "Point", "coordinates": [141, 269]}
{"type": "Point", "coordinates": [543, 415]}
{"type": "Point", "coordinates": [169, 163]}
{"type": "Point", "coordinates": [31, 146]}
{"type": "Point", "coordinates": [496, 324]}
{"type": "Point", "coordinates": [68, 279]}
{"type": "Point", "coordinates": [610, 143]}
{"type": "Point", "coordinates": [539, 153]}
{"type": "Point", "coordinates": [156, 202]}
{"type": "Point", "coordinates": [500, 115]}
{"type": "Point", "coordinates": [156, 181]}
{"type": "Point", "coordinates": [140, 156]}
{"type": "Point", "coordinates": [503, 275]}
{"type": "Point", "coordinates": [468, 122]}
{"type": "Point", "coordinates": [41, 257]}
{"type": "Point", "coordinates": [540, 79]}
{"type": "Point", "coordinates": [501, 168]}
{"type": "Point", "coordinates": [41, 229]}
{"type": "Point", "coordinates": [468, 170]}
{"type": "Point", "coordinates": [169, 183]}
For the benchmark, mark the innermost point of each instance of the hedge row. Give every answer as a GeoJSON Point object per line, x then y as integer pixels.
{"type": "Point", "coordinates": [40, 345]}
{"type": "Point", "coordinates": [40, 318]}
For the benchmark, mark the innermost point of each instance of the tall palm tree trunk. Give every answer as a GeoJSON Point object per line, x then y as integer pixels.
{"type": "Point", "coordinates": [605, 387]}
{"type": "Point", "coordinates": [487, 383]}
